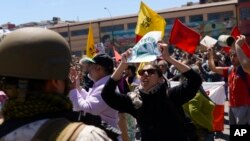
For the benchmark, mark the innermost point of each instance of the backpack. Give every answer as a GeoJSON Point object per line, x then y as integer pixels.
{"type": "Point", "coordinates": [59, 129]}
{"type": "Point", "coordinates": [89, 119]}
{"type": "Point", "coordinates": [204, 131]}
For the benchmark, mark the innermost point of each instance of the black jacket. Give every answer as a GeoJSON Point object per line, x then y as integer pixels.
{"type": "Point", "coordinates": [157, 118]}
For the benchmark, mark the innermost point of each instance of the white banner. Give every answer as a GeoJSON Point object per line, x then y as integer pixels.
{"type": "Point", "coordinates": [146, 50]}
{"type": "Point", "coordinates": [215, 91]}
{"type": "Point", "coordinates": [208, 41]}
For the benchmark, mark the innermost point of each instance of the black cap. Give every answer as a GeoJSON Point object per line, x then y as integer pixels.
{"type": "Point", "coordinates": [103, 60]}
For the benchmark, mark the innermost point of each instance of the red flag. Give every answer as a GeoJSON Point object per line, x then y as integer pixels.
{"type": "Point", "coordinates": [236, 32]}
{"type": "Point", "coordinates": [184, 37]}
{"type": "Point", "coordinates": [118, 57]}
{"type": "Point", "coordinates": [137, 38]}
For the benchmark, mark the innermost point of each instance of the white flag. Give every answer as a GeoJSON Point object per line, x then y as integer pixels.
{"type": "Point", "coordinates": [146, 50]}
{"type": "Point", "coordinates": [215, 91]}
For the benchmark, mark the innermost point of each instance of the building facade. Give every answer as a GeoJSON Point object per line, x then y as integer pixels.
{"type": "Point", "coordinates": [213, 19]}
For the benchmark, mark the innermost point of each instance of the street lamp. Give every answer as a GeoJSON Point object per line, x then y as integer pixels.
{"type": "Point", "coordinates": [112, 30]}
{"type": "Point", "coordinates": [69, 36]}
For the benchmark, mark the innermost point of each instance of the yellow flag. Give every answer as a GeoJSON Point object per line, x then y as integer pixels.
{"type": "Point", "coordinates": [90, 50]}
{"type": "Point", "coordinates": [149, 20]}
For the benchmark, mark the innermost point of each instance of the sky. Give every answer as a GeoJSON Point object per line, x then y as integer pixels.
{"type": "Point", "coordinates": [24, 11]}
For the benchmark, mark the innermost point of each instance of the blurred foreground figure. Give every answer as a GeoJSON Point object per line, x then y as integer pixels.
{"type": "Point", "coordinates": [34, 74]}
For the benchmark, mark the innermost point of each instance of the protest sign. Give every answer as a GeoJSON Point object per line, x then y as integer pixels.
{"type": "Point", "coordinates": [146, 49]}
{"type": "Point", "coordinates": [208, 41]}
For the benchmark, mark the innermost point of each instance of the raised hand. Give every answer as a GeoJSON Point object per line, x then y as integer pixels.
{"type": "Point", "coordinates": [74, 78]}
{"type": "Point", "coordinates": [240, 40]}
{"type": "Point", "coordinates": [126, 55]}
{"type": "Point", "coordinates": [163, 49]}
{"type": "Point", "coordinates": [210, 51]}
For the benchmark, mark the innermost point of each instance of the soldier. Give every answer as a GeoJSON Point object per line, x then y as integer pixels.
{"type": "Point", "coordinates": [34, 74]}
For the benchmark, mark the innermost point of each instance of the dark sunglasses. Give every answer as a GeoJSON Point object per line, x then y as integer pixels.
{"type": "Point", "coordinates": [149, 72]}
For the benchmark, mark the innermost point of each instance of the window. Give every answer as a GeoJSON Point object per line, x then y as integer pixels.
{"type": "Point", "coordinates": [182, 19]}
{"type": "Point", "coordinates": [245, 13]}
{"type": "Point", "coordinates": [112, 28]}
{"type": "Point", "coordinates": [196, 18]}
{"type": "Point", "coordinates": [64, 34]}
{"type": "Point", "coordinates": [106, 29]}
{"type": "Point", "coordinates": [220, 16]}
{"type": "Point", "coordinates": [118, 27]}
{"type": "Point", "coordinates": [170, 21]}
{"type": "Point", "coordinates": [132, 25]}
{"type": "Point", "coordinates": [79, 32]}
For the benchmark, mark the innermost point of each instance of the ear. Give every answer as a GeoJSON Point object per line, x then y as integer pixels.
{"type": "Point", "coordinates": [98, 67]}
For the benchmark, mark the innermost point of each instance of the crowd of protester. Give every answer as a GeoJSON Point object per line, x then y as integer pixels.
{"type": "Point", "coordinates": [130, 80]}
{"type": "Point", "coordinates": [138, 101]}
{"type": "Point", "coordinates": [201, 61]}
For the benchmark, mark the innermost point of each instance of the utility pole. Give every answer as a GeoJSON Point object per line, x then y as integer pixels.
{"type": "Point", "coordinates": [112, 25]}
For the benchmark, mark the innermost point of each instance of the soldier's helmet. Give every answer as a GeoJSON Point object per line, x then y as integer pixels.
{"type": "Point", "coordinates": [34, 53]}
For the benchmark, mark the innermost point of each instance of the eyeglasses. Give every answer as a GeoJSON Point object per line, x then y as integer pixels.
{"type": "Point", "coordinates": [149, 72]}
